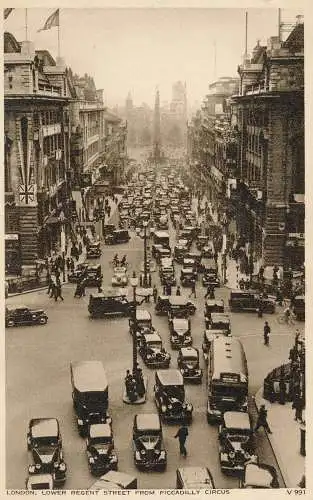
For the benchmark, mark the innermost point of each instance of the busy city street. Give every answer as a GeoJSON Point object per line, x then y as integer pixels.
{"type": "Point", "coordinates": [154, 253]}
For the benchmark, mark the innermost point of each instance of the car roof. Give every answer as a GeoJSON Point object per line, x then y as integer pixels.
{"type": "Point", "coordinates": [93, 267]}
{"type": "Point", "coordinates": [216, 316]}
{"type": "Point", "coordinates": [143, 314]}
{"type": "Point", "coordinates": [152, 337]}
{"type": "Point", "coordinates": [189, 351]}
{"type": "Point", "coordinates": [258, 476]}
{"type": "Point", "coordinates": [44, 427]}
{"type": "Point", "coordinates": [162, 234]}
{"type": "Point", "coordinates": [229, 357]}
{"type": "Point", "coordinates": [110, 292]}
{"type": "Point", "coordinates": [89, 376]}
{"type": "Point", "coordinates": [114, 480]}
{"type": "Point", "coordinates": [180, 321]}
{"type": "Point", "coordinates": [100, 430]}
{"type": "Point", "coordinates": [212, 302]}
{"type": "Point", "coordinates": [195, 476]}
{"type": "Point", "coordinates": [146, 421]}
{"type": "Point", "coordinates": [187, 270]}
{"type": "Point", "coordinates": [14, 307]}
{"type": "Point", "coordinates": [177, 300]}
{"type": "Point", "coordinates": [170, 377]}
{"type": "Point", "coordinates": [237, 420]}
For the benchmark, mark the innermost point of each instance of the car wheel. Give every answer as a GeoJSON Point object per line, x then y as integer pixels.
{"type": "Point", "coordinates": [10, 322]}
{"type": "Point", "coordinates": [43, 321]}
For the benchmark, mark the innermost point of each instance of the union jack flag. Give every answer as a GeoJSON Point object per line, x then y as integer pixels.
{"type": "Point", "coordinates": [27, 194]}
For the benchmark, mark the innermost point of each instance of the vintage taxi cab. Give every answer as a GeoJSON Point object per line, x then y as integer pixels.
{"type": "Point", "coordinates": [90, 394]}
{"type": "Point", "coordinates": [22, 315]}
{"type": "Point", "coordinates": [44, 442]}
{"type": "Point", "coordinates": [188, 364]}
{"type": "Point", "coordinates": [117, 236]}
{"type": "Point", "coordinates": [218, 321]}
{"type": "Point", "coordinates": [114, 480]}
{"type": "Point", "coordinates": [149, 451]}
{"type": "Point", "coordinates": [40, 482]}
{"type": "Point", "coordinates": [259, 475]}
{"type": "Point", "coordinates": [100, 450]}
{"type": "Point", "coordinates": [169, 396]}
{"type": "Point", "coordinates": [142, 324]}
{"type": "Point", "coordinates": [236, 444]}
{"type": "Point", "coordinates": [187, 277]}
{"type": "Point", "coordinates": [180, 332]}
{"type": "Point", "coordinates": [194, 478]}
{"type": "Point", "coordinates": [93, 250]}
{"type": "Point", "coordinates": [120, 277]}
{"type": "Point", "coordinates": [180, 307]}
{"type": "Point", "coordinates": [111, 301]}
{"type": "Point", "coordinates": [153, 353]}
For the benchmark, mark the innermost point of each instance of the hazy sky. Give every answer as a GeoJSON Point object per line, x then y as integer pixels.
{"type": "Point", "coordinates": [137, 49]}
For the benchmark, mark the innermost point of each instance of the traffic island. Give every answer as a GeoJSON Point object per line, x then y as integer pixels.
{"type": "Point", "coordinates": [139, 400]}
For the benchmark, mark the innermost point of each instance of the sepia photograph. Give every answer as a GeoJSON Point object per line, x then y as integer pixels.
{"type": "Point", "coordinates": [154, 249]}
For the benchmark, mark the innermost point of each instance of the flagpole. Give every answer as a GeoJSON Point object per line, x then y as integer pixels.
{"type": "Point", "coordinates": [59, 53]}
{"type": "Point", "coordinates": [26, 27]}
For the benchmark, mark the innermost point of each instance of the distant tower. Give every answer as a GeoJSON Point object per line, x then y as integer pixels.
{"type": "Point", "coordinates": [157, 129]}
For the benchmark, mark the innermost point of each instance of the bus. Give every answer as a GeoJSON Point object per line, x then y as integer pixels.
{"type": "Point", "coordinates": [227, 378]}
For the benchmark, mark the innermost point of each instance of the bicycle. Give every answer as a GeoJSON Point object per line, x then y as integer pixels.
{"type": "Point", "coordinates": [286, 319]}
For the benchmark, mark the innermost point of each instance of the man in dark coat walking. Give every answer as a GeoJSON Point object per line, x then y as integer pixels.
{"type": "Point", "coordinates": [182, 434]}
{"type": "Point", "coordinates": [266, 333]}
{"type": "Point", "coordinates": [262, 420]}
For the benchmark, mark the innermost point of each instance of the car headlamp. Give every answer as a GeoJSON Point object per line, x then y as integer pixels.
{"type": "Point", "coordinates": [62, 467]}
{"type": "Point", "coordinates": [113, 458]}
{"type": "Point", "coordinates": [163, 408]}
{"type": "Point", "coordinates": [247, 455]}
{"type": "Point", "coordinates": [231, 454]}
{"type": "Point", "coordinates": [31, 469]}
{"type": "Point", "coordinates": [80, 422]}
{"type": "Point", "coordinates": [55, 465]}
{"type": "Point", "coordinates": [149, 356]}
{"type": "Point", "coordinates": [91, 460]}
{"type": "Point", "coordinates": [170, 406]}
{"type": "Point", "coordinates": [184, 406]}
{"type": "Point", "coordinates": [157, 452]}
{"type": "Point", "coordinates": [143, 452]}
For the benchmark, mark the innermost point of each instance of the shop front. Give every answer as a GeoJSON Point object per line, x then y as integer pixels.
{"type": "Point", "coordinates": [13, 258]}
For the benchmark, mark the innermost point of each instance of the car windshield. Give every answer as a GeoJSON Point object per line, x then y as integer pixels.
{"type": "Point", "coordinates": [45, 443]}
{"type": "Point", "coordinates": [148, 434]}
{"type": "Point", "coordinates": [144, 323]}
{"type": "Point", "coordinates": [154, 345]}
{"type": "Point", "coordinates": [101, 440]}
{"type": "Point", "coordinates": [94, 398]}
{"type": "Point", "coordinates": [238, 434]}
{"type": "Point", "coordinates": [235, 391]}
{"type": "Point", "coordinates": [176, 391]}
{"type": "Point", "coordinates": [190, 358]}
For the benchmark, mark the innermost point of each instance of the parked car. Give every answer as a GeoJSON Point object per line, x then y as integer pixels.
{"type": "Point", "coordinates": [92, 274]}
{"type": "Point", "coordinates": [259, 475]}
{"type": "Point", "coordinates": [149, 451]}
{"type": "Point", "coordinates": [153, 353]}
{"type": "Point", "coordinates": [120, 277]}
{"type": "Point", "coordinates": [213, 306]}
{"type": "Point", "coordinates": [114, 480]}
{"type": "Point", "coordinates": [245, 300]}
{"type": "Point", "coordinates": [89, 394]}
{"type": "Point", "coordinates": [235, 441]}
{"type": "Point", "coordinates": [180, 332]}
{"type": "Point", "coordinates": [44, 442]}
{"type": "Point", "coordinates": [100, 449]}
{"type": "Point", "coordinates": [108, 229]}
{"type": "Point", "coordinates": [188, 364]}
{"type": "Point", "coordinates": [201, 241]}
{"type": "Point", "coordinates": [191, 478]}
{"type": "Point", "coordinates": [40, 482]}
{"type": "Point", "coordinates": [93, 250]}
{"type": "Point", "coordinates": [169, 395]}
{"type": "Point", "coordinates": [117, 236]}
{"type": "Point", "coordinates": [110, 302]}
{"type": "Point", "coordinates": [23, 315]}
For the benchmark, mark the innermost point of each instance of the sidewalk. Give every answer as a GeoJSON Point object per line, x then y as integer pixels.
{"type": "Point", "coordinates": [284, 440]}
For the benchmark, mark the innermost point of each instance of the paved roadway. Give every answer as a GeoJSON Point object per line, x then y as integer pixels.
{"type": "Point", "coordinates": [38, 380]}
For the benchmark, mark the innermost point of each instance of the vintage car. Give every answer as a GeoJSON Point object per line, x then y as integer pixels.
{"type": "Point", "coordinates": [155, 249]}
{"type": "Point", "coordinates": [100, 450]}
{"type": "Point", "coordinates": [201, 242]}
{"type": "Point", "coordinates": [152, 352]}
{"type": "Point", "coordinates": [208, 265]}
{"type": "Point", "coordinates": [108, 229]}
{"type": "Point", "coordinates": [180, 332]}
{"type": "Point", "coordinates": [44, 442]}
{"type": "Point", "coordinates": [299, 307]}
{"type": "Point", "coordinates": [143, 323]}
{"type": "Point", "coordinates": [111, 301]}
{"type": "Point", "coordinates": [187, 277]}
{"type": "Point", "coordinates": [120, 277]}
{"type": "Point", "coordinates": [218, 321]}
{"type": "Point", "coordinates": [162, 305]}
{"type": "Point", "coordinates": [114, 480]}
{"type": "Point", "coordinates": [167, 276]}
{"type": "Point", "coordinates": [40, 482]}
{"type": "Point", "coordinates": [149, 451]}
{"type": "Point", "coordinates": [194, 478]}
{"type": "Point", "coordinates": [78, 273]}
{"type": "Point", "coordinates": [92, 274]}
{"type": "Point", "coordinates": [236, 444]}
{"type": "Point", "coordinates": [208, 337]}
{"type": "Point", "coordinates": [258, 475]}
{"type": "Point", "coordinates": [169, 395]}
{"type": "Point", "coordinates": [196, 257]}
{"type": "Point", "coordinates": [188, 364]}
{"type": "Point", "coordinates": [246, 300]}
{"type": "Point", "coordinates": [180, 307]}
{"type": "Point", "coordinates": [213, 306]}
{"type": "Point", "coordinates": [181, 249]}
{"type": "Point", "coordinates": [117, 236]}
{"type": "Point", "coordinates": [162, 253]}
{"type": "Point", "coordinates": [208, 250]}
{"type": "Point", "coordinates": [22, 315]}
{"type": "Point", "coordinates": [93, 250]}
{"type": "Point", "coordinates": [89, 394]}
{"type": "Point", "coordinates": [210, 278]}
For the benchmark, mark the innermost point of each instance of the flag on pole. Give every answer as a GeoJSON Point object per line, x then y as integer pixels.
{"type": "Point", "coordinates": [52, 21]}
{"type": "Point", "coordinates": [7, 12]}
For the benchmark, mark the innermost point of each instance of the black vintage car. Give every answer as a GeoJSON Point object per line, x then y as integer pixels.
{"type": "Point", "coordinates": [187, 277]}
{"type": "Point", "coordinates": [246, 300]}
{"type": "Point", "coordinates": [22, 315]}
{"type": "Point", "coordinates": [94, 250]}
{"type": "Point", "coordinates": [108, 229]}
{"type": "Point", "coordinates": [180, 307]}
{"type": "Point", "coordinates": [162, 305]}
{"type": "Point", "coordinates": [44, 441]}
{"type": "Point", "coordinates": [236, 442]}
{"type": "Point", "coordinates": [114, 480]}
{"type": "Point", "coordinates": [90, 274]}
{"type": "Point", "coordinates": [89, 394]}
{"type": "Point", "coordinates": [213, 306]}
{"type": "Point", "coordinates": [180, 250]}
{"type": "Point", "coordinates": [169, 395]}
{"type": "Point", "coordinates": [188, 363]}
{"type": "Point", "coordinates": [117, 236]}
{"type": "Point", "coordinates": [167, 276]}
{"type": "Point", "coordinates": [210, 278]}
{"type": "Point", "coordinates": [143, 324]}
{"type": "Point", "coordinates": [112, 301]}
{"type": "Point", "coordinates": [153, 353]}
{"type": "Point", "coordinates": [149, 451]}
{"type": "Point", "coordinates": [201, 242]}
{"type": "Point", "coordinates": [218, 321]}
{"type": "Point", "coordinates": [100, 449]}
{"type": "Point", "coordinates": [180, 332]}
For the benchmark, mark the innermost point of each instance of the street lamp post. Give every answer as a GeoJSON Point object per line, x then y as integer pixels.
{"type": "Point", "coordinates": [134, 284]}
{"type": "Point", "coordinates": [145, 284]}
